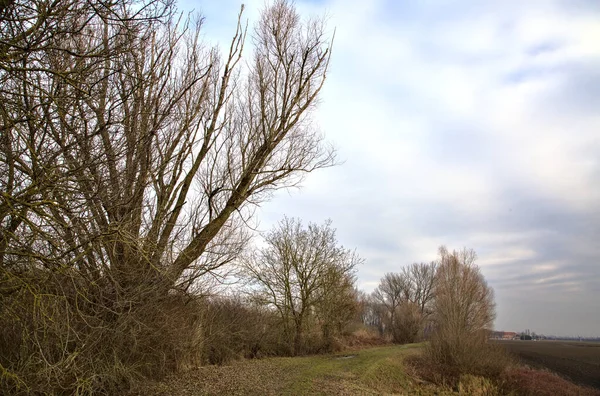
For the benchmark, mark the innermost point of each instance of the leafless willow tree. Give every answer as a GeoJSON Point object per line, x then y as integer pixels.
{"type": "Point", "coordinates": [464, 303]}
{"type": "Point", "coordinates": [131, 154]}
{"type": "Point", "coordinates": [305, 275]}
{"type": "Point", "coordinates": [156, 147]}
{"type": "Point", "coordinates": [463, 310]}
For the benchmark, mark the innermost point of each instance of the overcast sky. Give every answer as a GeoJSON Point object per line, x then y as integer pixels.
{"type": "Point", "coordinates": [464, 123]}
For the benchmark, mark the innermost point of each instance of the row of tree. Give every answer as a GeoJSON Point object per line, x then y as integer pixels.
{"type": "Point", "coordinates": [410, 304]}
{"type": "Point", "coordinates": [304, 276]}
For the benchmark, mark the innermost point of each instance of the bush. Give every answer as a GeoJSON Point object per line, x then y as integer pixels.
{"type": "Point", "coordinates": [63, 335]}
{"type": "Point", "coordinates": [448, 362]}
{"type": "Point", "coordinates": [233, 329]}
{"type": "Point", "coordinates": [463, 308]}
{"type": "Point", "coordinates": [363, 337]}
{"type": "Point", "coordinates": [470, 354]}
{"type": "Point", "coordinates": [407, 328]}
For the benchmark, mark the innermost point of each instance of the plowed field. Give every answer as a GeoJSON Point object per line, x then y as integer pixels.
{"type": "Point", "coordinates": [577, 361]}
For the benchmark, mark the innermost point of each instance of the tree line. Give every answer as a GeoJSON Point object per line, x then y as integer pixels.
{"type": "Point", "coordinates": [308, 279]}
{"type": "Point", "coordinates": [132, 156]}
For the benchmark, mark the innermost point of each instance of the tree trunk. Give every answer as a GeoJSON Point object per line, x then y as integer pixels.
{"type": "Point", "coordinates": [298, 338]}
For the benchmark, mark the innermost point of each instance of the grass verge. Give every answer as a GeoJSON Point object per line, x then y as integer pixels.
{"type": "Point", "coordinates": [372, 371]}
{"type": "Point", "coordinates": [375, 371]}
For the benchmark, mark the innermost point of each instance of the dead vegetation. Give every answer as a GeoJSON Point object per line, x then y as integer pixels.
{"type": "Point", "coordinates": [131, 155]}
{"type": "Point", "coordinates": [532, 382]}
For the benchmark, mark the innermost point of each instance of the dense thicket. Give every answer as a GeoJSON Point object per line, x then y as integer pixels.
{"type": "Point", "coordinates": [130, 155]}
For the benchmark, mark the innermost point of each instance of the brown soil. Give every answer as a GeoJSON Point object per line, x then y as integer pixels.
{"type": "Point", "coordinates": [576, 361]}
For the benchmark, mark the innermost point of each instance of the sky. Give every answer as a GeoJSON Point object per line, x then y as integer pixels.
{"type": "Point", "coordinates": [463, 123]}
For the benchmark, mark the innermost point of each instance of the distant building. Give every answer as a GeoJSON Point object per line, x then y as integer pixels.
{"type": "Point", "coordinates": [504, 335]}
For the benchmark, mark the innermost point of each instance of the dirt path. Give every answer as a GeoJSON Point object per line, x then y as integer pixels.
{"type": "Point", "coordinates": [373, 371]}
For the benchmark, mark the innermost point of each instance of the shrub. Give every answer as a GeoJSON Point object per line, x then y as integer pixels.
{"type": "Point", "coordinates": [471, 354]}
{"type": "Point", "coordinates": [364, 337]}
{"type": "Point", "coordinates": [407, 327]}
{"type": "Point", "coordinates": [233, 329]}
{"type": "Point", "coordinates": [463, 308]}
{"type": "Point", "coordinates": [448, 362]}
{"type": "Point", "coordinates": [61, 337]}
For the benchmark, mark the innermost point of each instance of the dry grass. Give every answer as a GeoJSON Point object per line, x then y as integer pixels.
{"type": "Point", "coordinates": [478, 386]}
{"type": "Point", "coordinates": [527, 381]}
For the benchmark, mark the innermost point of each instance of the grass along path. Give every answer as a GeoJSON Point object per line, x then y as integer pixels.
{"type": "Point", "coordinates": [373, 371]}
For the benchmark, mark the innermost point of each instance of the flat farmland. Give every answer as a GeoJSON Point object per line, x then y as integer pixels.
{"type": "Point", "coordinates": [577, 361]}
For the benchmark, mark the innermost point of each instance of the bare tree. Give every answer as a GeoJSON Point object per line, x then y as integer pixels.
{"type": "Point", "coordinates": [302, 270]}
{"type": "Point", "coordinates": [336, 305]}
{"type": "Point", "coordinates": [464, 303]}
{"type": "Point", "coordinates": [463, 311]}
{"type": "Point", "coordinates": [421, 277]}
{"type": "Point", "coordinates": [154, 150]}
{"type": "Point", "coordinates": [131, 154]}
{"type": "Point", "coordinates": [407, 297]}
{"type": "Point", "coordinates": [393, 290]}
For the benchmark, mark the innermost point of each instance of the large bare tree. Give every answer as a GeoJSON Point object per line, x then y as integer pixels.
{"type": "Point", "coordinates": [154, 148]}
{"type": "Point", "coordinates": [131, 153]}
